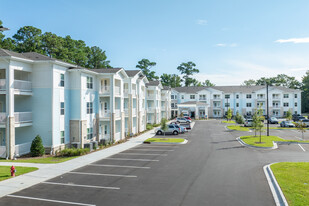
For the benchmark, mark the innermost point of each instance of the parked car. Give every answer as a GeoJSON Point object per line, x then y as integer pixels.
{"type": "Point", "coordinates": [273, 120]}
{"type": "Point", "coordinates": [306, 122]}
{"type": "Point", "coordinates": [297, 118]}
{"type": "Point", "coordinates": [188, 118]}
{"type": "Point", "coordinates": [248, 123]}
{"type": "Point", "coordinates": [171, 129]}
{"type": "Point", "coordinates": [287, 124]}
{"type": "Point", "coordinates": [182, 120]}
{"type": "Point", "coordinates": [182, 129]}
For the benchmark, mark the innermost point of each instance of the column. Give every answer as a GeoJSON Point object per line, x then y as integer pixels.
{"type": "Point", "coordinates": [10, 126]}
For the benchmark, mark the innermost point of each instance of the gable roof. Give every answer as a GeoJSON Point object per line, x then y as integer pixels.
{"type": "Point", "coordinates": [132, 73]}
{"type": "Point", "coordinates": [8, 53]}
{"type": "Point", "coordinates": [153, 83]}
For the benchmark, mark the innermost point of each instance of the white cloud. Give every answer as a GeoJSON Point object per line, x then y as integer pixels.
{"type": "Point", "coordinates": [201, 22]}
{"type": "Point", "coordinates": [226, 45]}
{"type": "Point", "coordinates": [294, 40]}
{"type": "Point", "coordinates": [221, 45]}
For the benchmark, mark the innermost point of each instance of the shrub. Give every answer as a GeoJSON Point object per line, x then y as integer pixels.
{"type": "Point", "coordinates": [149, 126]}
{"type": "Point", "coordinates": [69, 152]}
{"type": "Point", "coordinates": [239, 119]}
{"type": "Point", "coordinates": [37, 149]}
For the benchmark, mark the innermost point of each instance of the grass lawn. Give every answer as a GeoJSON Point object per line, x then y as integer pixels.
{"type": "Point", "coordinates": [42, 160]}
{"type": "Point", "coordinates": [165, 140]}
{"type": "Point", "coordinates": [267, 141]}
{"type": "Point", "coordinates": [294, 181]}
{"type": "Point", "coordinates": [5, 171]}
{"type": "Point", "coordinates": [230, 122]}
{"type": "Point", "coordinates": [238, 128]}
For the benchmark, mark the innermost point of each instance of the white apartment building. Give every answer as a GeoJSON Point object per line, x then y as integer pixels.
{"type": "Point", "coordinates": [215, 101]}
{"type": "Point", "coordinates": [69, 105]}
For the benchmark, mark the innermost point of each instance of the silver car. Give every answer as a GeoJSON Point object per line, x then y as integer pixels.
{"type": "Point", "coordinates": [248, 123]}
{"type": "Point", "coordinates": [306, 122]}
{"type": "Point", "coordinates": [183, 120]}
{"type": "Point", "coordinates": [171, 129]}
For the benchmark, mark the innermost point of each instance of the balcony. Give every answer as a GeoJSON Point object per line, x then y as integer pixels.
{"type": "Point", "coordinates": [105, 90]}
{"type": "Point", "coordinates": [151, 109]}
{"type": "Point", "coordinates": [117, 90]}
{"type": "Point", "coordinates": [105, 114]}
{"type": "Point", "coordinates": [2, 84]}
{"type": "Point", "coordinates": [134, 92]}
{"type": "Point", "coordinates": [23, 119]}
{"type": "Point", "coordinates": [162, 108]}
{"type": "Point", "coordinates": [117, 113]}
{"type": "Point", "coordinates": [105, 136]}
{"type": "Point", "coordinates": [22, 85]}
{"type": "Point", "coordinates": [126, 111]}
{"type": "Point", "coordinates": [125, 92]}
{"type": "Point", "coordinates": [22, 149]}
{"type": "Point", "coordinates": [151, 96]}
{"type": "Point", "coordinates": [134, 112]}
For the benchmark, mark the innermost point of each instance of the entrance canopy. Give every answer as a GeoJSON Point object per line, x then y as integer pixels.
{"type": "Point", "coordinates": [195, 109]}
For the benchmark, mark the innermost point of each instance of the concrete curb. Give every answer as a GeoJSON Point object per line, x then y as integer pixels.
{"type": "Point", "coordinates": [274, 186]}
{"type": "Point", "coordinates": [168, 143]}
{"type": "Point", "coordinates": [247, 145]}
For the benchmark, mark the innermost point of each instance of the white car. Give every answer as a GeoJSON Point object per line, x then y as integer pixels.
{"type": "Point", "coordinates": [183, 120]}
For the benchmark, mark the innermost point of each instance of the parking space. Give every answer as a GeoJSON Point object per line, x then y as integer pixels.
{"type": "Point", "coordinates": [92, 184]}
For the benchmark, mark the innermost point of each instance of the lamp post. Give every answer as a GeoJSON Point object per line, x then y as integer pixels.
{"type": "Point", "coordinates": [267, 107]}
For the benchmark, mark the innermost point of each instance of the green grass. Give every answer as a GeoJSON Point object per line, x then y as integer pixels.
{"type": "Point", "coordinates": [267, 141]}
{"type": "Point", "coordinates": [294, 181]}
{"type": "Point", "coordinates": [164, 140]}
{"type": "Point", "coordinates": [42, 160]}
{"type": "Point", "coordinates": [5, 171]}
{"type": "Point", "coordinates": [238, 128]}
{"type": "Point", "coordinates": [230, 122]}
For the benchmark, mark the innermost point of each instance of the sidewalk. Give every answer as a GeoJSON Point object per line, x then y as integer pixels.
{"type": "Point", "coordinates": [48, 171]}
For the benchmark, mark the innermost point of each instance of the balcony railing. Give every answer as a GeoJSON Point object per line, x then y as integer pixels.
{"type": "Point", "coordinates": [2, 117]}
{"type": "Point", "coordinates": [134, 111]}
{"type": "Point", "coordinates": [151, 96]}
{"type": "Point", "coordinates": [105, 89]}
{"type": "Point", "coordinates": [2, 84]}
{"type": "Point", "coordinates": [23, 117]}
{"type": "Point", "coordinates": [22, 85]}
{"type": "Point", "coordinates": [105, 113]}
{"type": "Point", "coordinates": [117, 136]}
{"type": "Point", "coordinates": [202, 98]}
{"type": "Point", "coordinates": [117, 112]}
{"type": "Point", "coordinates": [125, 92]}
{"type": "Point", "coordinates": [126, 111]}
{"type": "Point", "coordinates": [105, 136]}
{"type": "Point", "coordinates": [151, 109]}
{"type": "Point", "coordinates": [22, 149]}
{"type": "Point", "coordinates": [117, 90]}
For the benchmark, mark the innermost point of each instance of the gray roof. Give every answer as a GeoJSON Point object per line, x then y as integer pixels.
{"type": "Point", "coordinates": [153, 83]}
{"type": "Point", "coordinates": [166, 88]}
{"type": "Point", "coordinates": [7, 53]}
{"type": "Point", "coordinates": [107, 70]}
{"type": "Point", "coordinates": [232, 89]}
{"type": "Point", "coordinates": [132, 73]}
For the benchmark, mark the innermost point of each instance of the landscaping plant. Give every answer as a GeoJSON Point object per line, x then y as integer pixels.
{"type": "Point", "coordinates": [37, 149]}
{"type": "Point", "coordinates": [239, 119]}
{"type": "Point", "coordinates": [301, 127]}
{"type": "Point", "coordinates": [229, 114]}
{"type": "Point", "coordinates": [163, 125]}
{"type": "Point", "coordinates": [288, 115]}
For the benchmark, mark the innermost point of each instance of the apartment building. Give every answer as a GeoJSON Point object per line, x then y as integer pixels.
{"type": "Point", "coordinates": [69, 105]}
{"type": "Point", "coordinates": [215, 101]}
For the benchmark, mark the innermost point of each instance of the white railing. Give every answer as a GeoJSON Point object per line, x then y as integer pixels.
{"type": "Point", "coordinates": [105, 89]}
{"type": "Point", "coordinates": [150, 109]}
{"type": "Point", "coordinates": [134, 111]}
{"type": "Point", "coordinates": [162, 108]}
{"type": "Point", "coordinates": [216, 105]}
{"type": "Point", "coordinates": [134, 92]}
{"type": "Point", "coordinates": [2, 84]}
{"type": "Point", "coordinates": [21, 149]}
{"type": "Point", "coordinates": [3, 151]}
{"type": "Point", "coordinates": [23, 116]}
{"type": "Point", "coordinates": [2, 117]}
{"type": "Point", "coordinates": [126, 111]}
{"type": "Point", "coordinates": [105, 136]}
{"type": "Point", "coordinates": [117, 113]}
{"type": "Point", "coordinates": [151, 96]}
{"type": "Point", "coordinates": [125, 92]}
{"type": "Point", "coordinates": [105, 113]}
{"type": "Point", "coordinates": [117, 136]}
{"type": "Point", "coordinates": [117, 90]}
{"type": "Point", "coordinates": [22, 85]}
{"type": "Point", "coordinates": [276, 106]}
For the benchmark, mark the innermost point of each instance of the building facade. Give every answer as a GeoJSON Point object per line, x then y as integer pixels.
{"type": "Point", "coordinates": [215, 101]}
{"type": "Point", "coordinates": [69, 105]}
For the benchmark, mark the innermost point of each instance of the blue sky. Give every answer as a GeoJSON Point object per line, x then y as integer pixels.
{"type": "Point", "coordinates": [230, 41]}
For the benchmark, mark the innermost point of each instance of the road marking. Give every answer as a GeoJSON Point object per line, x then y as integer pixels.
{"type": "Point", "coordinates": [123, 166]}
{"type": "Point", "coordinates": [141, 154]}
{"type": "Point", "coordinates": [156, 146]}
{"type": "Point", "coordinates": [298, 138]}
{"type": "Point", "coordinates": [302, 147]}
{"type": "Point", "coordinates": [49, 200]}
{"type": "Point", "coordinates": [100, 174]}
{"type": "Point", "coordinates": [74, 185]}
{"type": "Point", "coordinates": [153, 150]}
{"type": "Point", "coordinates": [111, 158]}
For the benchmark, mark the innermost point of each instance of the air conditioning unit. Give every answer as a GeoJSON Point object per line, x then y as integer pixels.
{"type": "Point", "coordinates": [95, 144]}
{"type": "Point", "coordinates": [75, 144]}
{"type": "Point", "coordinates": [89, 145]}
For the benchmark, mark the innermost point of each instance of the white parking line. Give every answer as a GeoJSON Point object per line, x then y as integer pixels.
{"type": "Point", "coordinates": [157, 146]}
{"type": "Point", "coordinates": [111, 158]}
{"type": "Point", "coordinates": [298, 138]}
{"type": "Point", "coordinates": [122, 166]}
{"type": "Point", "coordinates": [141, 154]}
{"type": "Point", "coordinates": [49, 200]}
{"type": "Point", "coordinates": [302, 147]}
{"type": "Point", "coordinates": [100, 174]}
{"type": "Point", "coordinates": [153, 150]}
{"type": "Point", "coordinates": [74, 185]}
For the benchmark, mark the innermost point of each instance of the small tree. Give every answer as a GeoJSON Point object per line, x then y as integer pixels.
{"type": "Point", "coordinates": [288, 115]}
{"type": "Point", "coordinates": [181, 114]}
{"type": "Point", "coordinates": [229, 114]}
{"type": "Point", "coordinates": [239, 119]}
{"type": "Point", "coordinates": [255, 122]}
{"type": "Point", "coordinates": [163, 125]}
{"type": "Point", "coordinates": [37, 149]}
{"type": "Point", "coordinates": [301, 127]}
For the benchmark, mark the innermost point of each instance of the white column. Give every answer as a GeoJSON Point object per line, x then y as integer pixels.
{"type": "Point", "coordinates": [10, 127]}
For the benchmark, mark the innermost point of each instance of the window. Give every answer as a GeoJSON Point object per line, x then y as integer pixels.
{"type": "Point", "coordinates": [105, 129]}
{"type": "Point", "coordinates": [192, 96]}
{"type": "Point", "coordinates": [216, 96]}
{"type": "Point", "coordinates": [286, 104]}
{"type": "Point", "coordinates": [260, 104]}
{"type": "Point", "coordinates": [89, 133]}
{"type": "Point", "coordinates": [284, 113]}
{"type": "Point", "coordinates": [89, 83]}
{"type": "Point", "coordinates": [182, 96]}
{"type": "Point", "coordinates": [275, 104]}
{"type": "Point", "coordinates": [248, 96]}
{"type": "Point", "coordinates": [227, 104]}
{"type": "Point", "coordinates": [172, 105]}
{"type": "Point", "coordinates": [173, 96]}
{"type": "Point", "coordinates": [61, 80]}
{"type": "Point", "coordinates": [295, 104]}
{"type": "Point", "coordinates": [61, 137]}
{"type": "Point", "coordinates": [237, 96]}
{"type": "Point", "coordinates": [89, 107]}
{"type": "Point", "coordinates": [285, 95]}
{"type": "Point", "coordinates": [227, 96]}
{"type": "Point", "coordinates": [61, 108]}
{"type": "Point", "coordinates": [202, 96]}
{"type": "Point", "coordinates": [248, 104]}
{"type": "Point", "coordinates": [295, 95]}
{"type": "Point", "coordinates": [260, 96]}
{"type": "Point", "coordinates": [237, 104]}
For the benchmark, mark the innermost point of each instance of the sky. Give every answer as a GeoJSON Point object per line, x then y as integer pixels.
{"type": "Point", "coordinates": [229, 40]}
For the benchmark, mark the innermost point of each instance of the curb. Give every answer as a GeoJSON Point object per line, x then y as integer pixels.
{"type": "Point", "coordinates": [274, 187]}
{"type": "Point", "coordinates": [169, 143]}
{"type": "Point", "coordinates": [247, 145]}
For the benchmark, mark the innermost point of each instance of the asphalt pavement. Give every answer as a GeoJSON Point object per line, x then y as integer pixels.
{"type": "Point", "coordinates": [211, 169]}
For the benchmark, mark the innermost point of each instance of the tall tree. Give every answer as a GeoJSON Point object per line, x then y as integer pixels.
{"type": "Point", "coordinates": [97, 58]}
{"type": "Point", "coordinates": [171, 80]}
{"type": "Point", "coordinates": [28, 39]}
{"type": "Point", "coordinates": [207, 83]}
{"type": "Point", "coordinates": [50, 44]}
{"type": "Point", "coordinates": [145, 65]}
{"type": "Point", "coordinates": [279, 80]}
{"type": "Point", "coordinates": [249, 82]}
{"type": "Point", "coordinates": [187, 70]}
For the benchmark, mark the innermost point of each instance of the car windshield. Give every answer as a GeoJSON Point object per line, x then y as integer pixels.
{"type": "Point", "coordinates": [289, 122]}
{"type": "Point", "coordinates": [176, 126]}
{"type": "Point", "coordinates": [273, 118]}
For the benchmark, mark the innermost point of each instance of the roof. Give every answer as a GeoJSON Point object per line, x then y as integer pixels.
{"type": "Point", "coordinates": [7, 53]}
{"type": "Point", "coordinates": [193, 102]}
{"type": "Point", "coordinates": [153, 83]}
{"type": "Point", "coordinates": [231, 89]}
{"type": "Point", "coordinates": [166, 88]}
{"type": "Point", "coordinates": [2, 28]}
{"type": "Point", "coordinates": [107, 70]}
{"type": "Point", "coordinates": [132, 73]}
